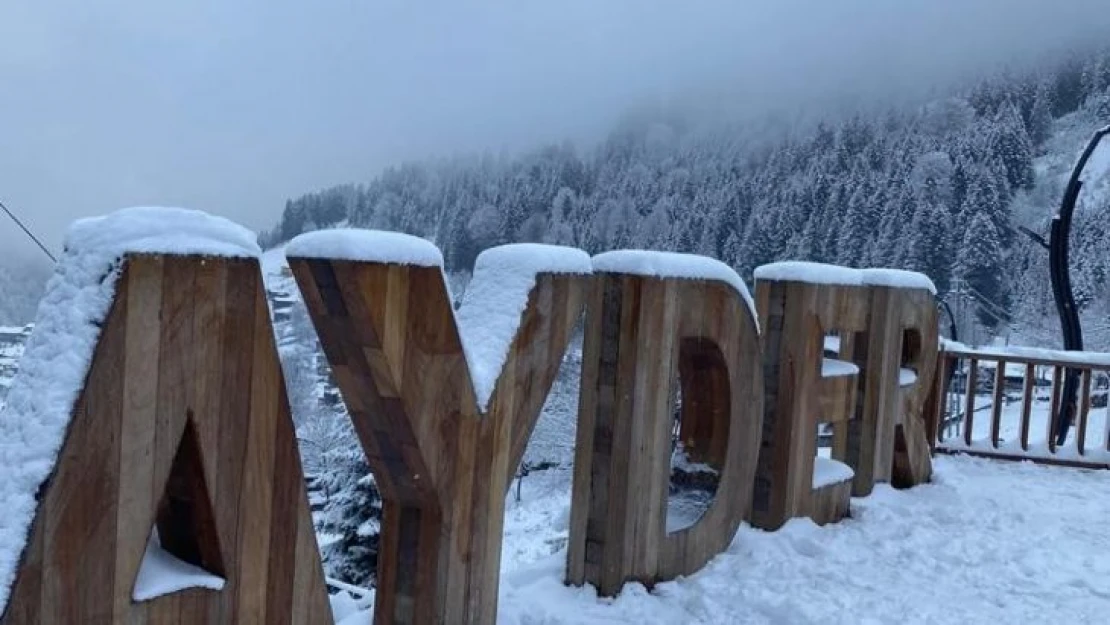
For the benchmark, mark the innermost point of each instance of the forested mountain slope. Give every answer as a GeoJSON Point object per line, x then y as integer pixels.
{"type": "Point", "coordinates": [938, 188]}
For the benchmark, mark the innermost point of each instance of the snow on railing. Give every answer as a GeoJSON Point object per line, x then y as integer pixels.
{"type": "Point", "coordinates": [1004, 402]}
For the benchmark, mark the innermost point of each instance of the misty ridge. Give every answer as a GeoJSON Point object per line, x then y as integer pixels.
{"type": "Point", "coordinates": [939, 187]}
{"type": "Point", "coordinates": [232, 107]}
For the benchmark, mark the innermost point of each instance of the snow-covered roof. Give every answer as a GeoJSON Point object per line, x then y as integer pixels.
{"type": "Point", "coordinates": [820, 273]}
{"type": "Point", "coordinates": [374, 246]}
{"type": "Point", "coordinates": [496, 298]}
{"type": "Point", "coordinates": [673, 265]}
{"type": "Point", "coordinates": [60, 350]}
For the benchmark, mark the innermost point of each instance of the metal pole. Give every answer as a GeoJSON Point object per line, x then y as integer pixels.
{"type": "Point", "coordinates": [1061, 285]}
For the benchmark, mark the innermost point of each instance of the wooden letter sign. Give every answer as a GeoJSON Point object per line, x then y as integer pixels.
{"type": "Point", "coordinates": [873, 394]}
{"type": "Point", "coordinates": [182, 427]}
{"type": "Point", "coordinates": [916, 325]}
{"type": "Point", "coordinates": [887, 441]}
{"type": "Point", "coordinates": [652, 315]}
{"type": "Point", "coordinates": [444, 429]}
{"type": "Point", "coordinates": [803, 390]}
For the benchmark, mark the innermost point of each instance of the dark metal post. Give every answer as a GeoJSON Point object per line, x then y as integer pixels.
{"type": "Point", "coordinates": [1061, 286]}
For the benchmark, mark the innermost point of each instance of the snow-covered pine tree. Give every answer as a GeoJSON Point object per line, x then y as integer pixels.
{"type": "Point", "coordinates": [982, 198]}
{"type": "Point", "coordinates": [856, 228]}
{"type": "Point", "coordinates": [350, 519]}
{"type": "Point", "coordinates": [560, 230]}
{"type": "Point", "coordinates": [807, 244]}
{"type": "Point", "coordinates": [732, 250]}
{"type": "Point", "coordinates": [1096, 74]}
{"type": "Point", "coordinates": [1010, 143]}
{"type": "Point", "coordinates": [980, 266]}
{"type": "Point", "coordinates": [292, 220]}
{"type": "Point", "coordinates": [889, 248]}
{"type": "Point", "coordinates": [759, 246]}
{"type": "Point", "coordinates": [1040, 116]}
{"type": "Point", "coordinates": [930, 247]}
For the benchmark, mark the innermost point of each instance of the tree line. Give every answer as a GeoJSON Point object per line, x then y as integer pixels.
{"type": "Point", "coordinates": [931, 188]}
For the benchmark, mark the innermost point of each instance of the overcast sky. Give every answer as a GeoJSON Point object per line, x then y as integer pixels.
{"type": "Point", "coordinates": [231, 106]}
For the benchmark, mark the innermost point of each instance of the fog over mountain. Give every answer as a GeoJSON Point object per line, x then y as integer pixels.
{"type": "Point", "coordinates": [232, 107]}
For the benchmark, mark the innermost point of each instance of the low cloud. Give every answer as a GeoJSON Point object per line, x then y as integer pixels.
{"type": "Point", "coordinates": [233, 106]}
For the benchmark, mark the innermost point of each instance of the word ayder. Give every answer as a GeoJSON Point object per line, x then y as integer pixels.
{"type": "Point", "coordinates": [183, 423]}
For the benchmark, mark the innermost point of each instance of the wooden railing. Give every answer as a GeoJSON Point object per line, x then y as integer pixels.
{"type": "Point", "coordinates": [1005, 403]}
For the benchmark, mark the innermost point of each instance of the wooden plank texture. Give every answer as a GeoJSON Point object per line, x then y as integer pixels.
{"type": "Point", "coordinates": [830, 504]}
{"type": "Point", "coordinates": [183, 423]}
{"type": "Point", "coordinates": [1027, 401]}
{"type": "Point", "coordinates": [917, 331]}
{"type": "Point", "coordinates": [884, 437]}
{"type": "Point", "coordinates": [970, 387]}
{"type": "Point", "coordinates": [796, 317]}
{"type": "Point", "coordinates": [1084, 412]}
{"type": "Point", "coordinates": [442, 465]}
{"type": "Point", "coordinates": [1054, 409]}
{"type": "Point", "coordinates": [641, 332]}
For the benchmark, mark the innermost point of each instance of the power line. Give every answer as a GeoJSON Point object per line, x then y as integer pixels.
{"type": "Point", "coordinates": [987, 303]}
{"type": "Point", "coordinates": [29, 233]}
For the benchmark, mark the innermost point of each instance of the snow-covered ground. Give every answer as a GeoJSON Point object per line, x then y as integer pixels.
{"type": "Point", "coordinates": [986, 542]}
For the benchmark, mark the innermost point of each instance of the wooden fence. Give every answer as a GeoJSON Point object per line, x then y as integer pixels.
{"type": "Point", "coordinates": [1005, 404]}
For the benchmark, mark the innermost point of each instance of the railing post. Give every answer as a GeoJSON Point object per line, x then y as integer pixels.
{"type": "Point", "coordinates": [1054, 417]}
{"type": "Point", "coordinates": [969, 399]}
{"type": "Point", "coordinates": [1027, 399]}
{"type": "Point", "coordinates": [1084, 412]}
{"type": "Point", "coordinates": [996, 401]}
